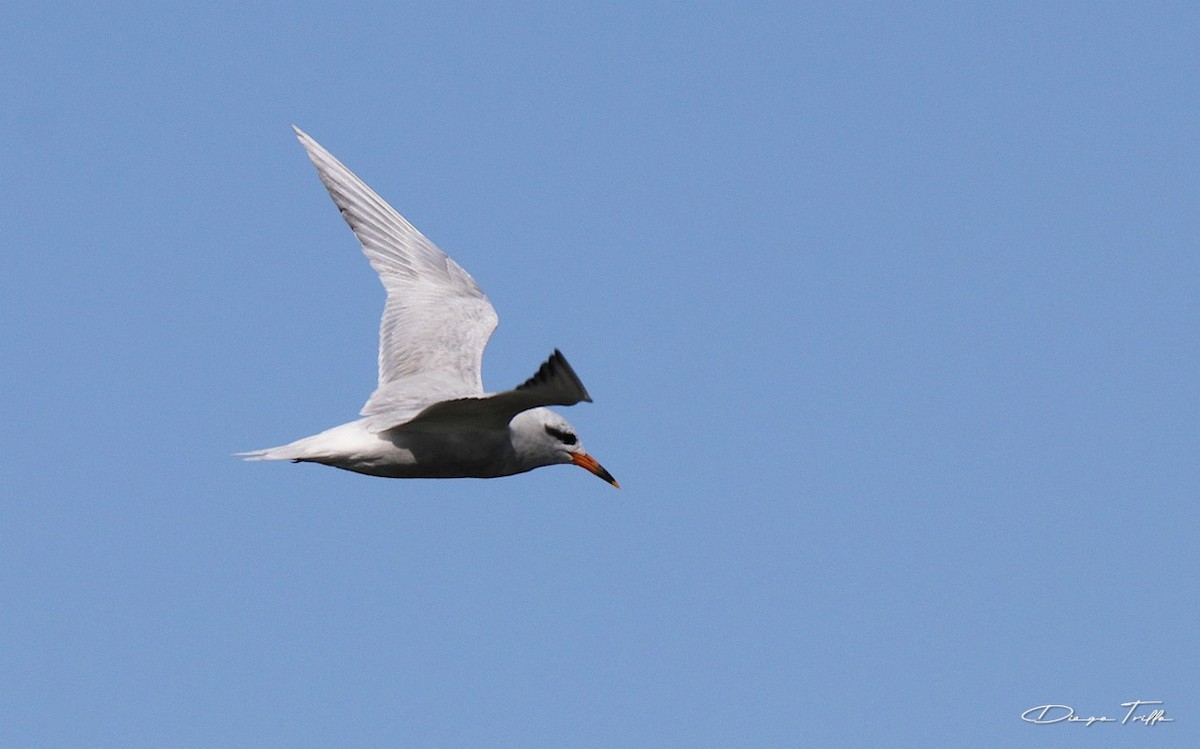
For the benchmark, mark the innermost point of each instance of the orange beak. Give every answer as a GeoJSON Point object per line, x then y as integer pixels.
{"type": "Point", "coordinates": [583, 460]}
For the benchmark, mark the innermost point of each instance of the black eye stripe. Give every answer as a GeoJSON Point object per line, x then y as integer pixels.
{"type": "Point", "coordinates": [564, 437]}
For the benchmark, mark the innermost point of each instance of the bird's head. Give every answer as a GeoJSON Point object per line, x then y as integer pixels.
{"type": "Point", "coordinates": [542, 437]}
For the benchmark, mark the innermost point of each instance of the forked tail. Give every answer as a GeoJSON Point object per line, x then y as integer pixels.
{"type": "Point", "coordinates": [270, 453]}
{"type": "Point", "coordinates": [298, 450]}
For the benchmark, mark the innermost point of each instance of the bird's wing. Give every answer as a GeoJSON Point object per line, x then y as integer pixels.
{"type": "Point", "coordinates": [554, 384]}
{"type": "Point", "coordinates": [436, 321]}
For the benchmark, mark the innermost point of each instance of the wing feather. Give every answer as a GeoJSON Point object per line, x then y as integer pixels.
{"type": "Point", "coordinates": [436, 321]}
{"type": "Point", "coordinates": [554, 384]}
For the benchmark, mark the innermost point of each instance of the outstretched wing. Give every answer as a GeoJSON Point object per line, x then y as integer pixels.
{"type": "Point", "coordinates": [554, 384]}
{"type": "Point", "coordinates": [436, 321]}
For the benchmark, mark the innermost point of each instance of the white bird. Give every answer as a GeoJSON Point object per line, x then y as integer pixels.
{"type": "Point", "coordinates": [429, 416]}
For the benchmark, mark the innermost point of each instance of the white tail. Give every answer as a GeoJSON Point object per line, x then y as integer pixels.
{"type": "Point", "coordinates": [270, 453]}
{"type": "Point", "coordinates": [347, 439]}
{"type": "Point", "coordinates": [298, 450]}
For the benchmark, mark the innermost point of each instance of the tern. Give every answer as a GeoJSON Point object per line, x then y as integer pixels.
{"type": "Point", "coordinates": [429, 416]}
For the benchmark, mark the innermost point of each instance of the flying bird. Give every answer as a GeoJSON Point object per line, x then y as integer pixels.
{"type": "Point", "coordinates": [429, 416]}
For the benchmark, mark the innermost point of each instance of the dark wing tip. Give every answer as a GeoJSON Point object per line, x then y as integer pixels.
{"type": "Point", "coordinates": [556, 368]}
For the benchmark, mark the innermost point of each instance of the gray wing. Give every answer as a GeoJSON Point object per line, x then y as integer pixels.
{"type": "Point", "coordinates": [436, 321]}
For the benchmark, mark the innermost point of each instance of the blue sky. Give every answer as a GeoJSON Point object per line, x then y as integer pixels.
{"type": "Point", "coordinates": [889, 315]}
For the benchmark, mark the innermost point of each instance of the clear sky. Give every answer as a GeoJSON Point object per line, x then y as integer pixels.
{"type": "Point", "coordinates": [889, 315]}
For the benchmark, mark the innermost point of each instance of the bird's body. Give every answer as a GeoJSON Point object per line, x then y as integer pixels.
{"type": "Point", "coordinates": [429, 416]}
{"type": "Point", "coordinates": [401, 453]}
